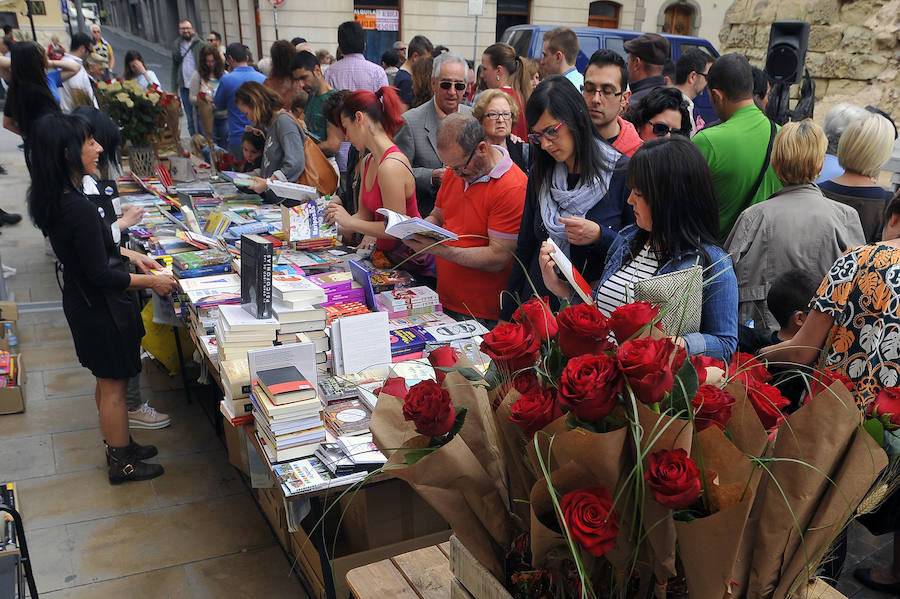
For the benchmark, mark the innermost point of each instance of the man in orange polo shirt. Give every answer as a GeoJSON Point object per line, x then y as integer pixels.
{"type": "Point", "coordinates": [481, 200]}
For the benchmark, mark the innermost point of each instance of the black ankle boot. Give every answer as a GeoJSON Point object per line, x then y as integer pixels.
{"type": "Point", "coordinates": [9, 218]}
{"type": "Point", "coordinates": [124, 467]}
{"type": "Point", "coordinates": [141, 452]}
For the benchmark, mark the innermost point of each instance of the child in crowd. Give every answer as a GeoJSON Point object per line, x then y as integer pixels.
{"type": "Point", "coordinates": [298, 109]}
{"type": "Point", "coordinates": [252, 144]}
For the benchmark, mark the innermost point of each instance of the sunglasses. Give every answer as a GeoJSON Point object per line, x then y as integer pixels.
{"type": "Point", "coordinates": [550, 133]}
{"type": "Point", "coordinates": [457, 85]}
{"type": "Point", "coordinates": [211, 40]}
{"type": "Point", "coordinates": [662, 129]}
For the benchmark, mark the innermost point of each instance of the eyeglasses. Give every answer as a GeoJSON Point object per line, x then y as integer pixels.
{"type": "Point", "coordinates": [496, 116]}
{"type": "Point", "coordinates": [459, 169]}
{"type": "Point", "coordinates": [457, 85]}
{"type": "Point", "coordinates": [211, 40]}
{"type": "Point", "coordinates": [607, 91]}
{"type": "Point", "coordinates": [551, 133]}
{"type": "Point", "coordinates": [704, 75]}
{"type": "Point", "coordinates": [661, 129]}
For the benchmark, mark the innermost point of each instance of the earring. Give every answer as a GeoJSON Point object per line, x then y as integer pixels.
{"type": "Point", "coordinates": [498, 77]}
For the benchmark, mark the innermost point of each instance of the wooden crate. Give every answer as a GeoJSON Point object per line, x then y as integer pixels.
{"type": "Point", "coordinates": [472, 576]}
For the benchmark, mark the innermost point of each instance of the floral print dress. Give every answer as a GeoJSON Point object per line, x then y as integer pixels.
{"type": "Point", "coordinates": [862, 293]}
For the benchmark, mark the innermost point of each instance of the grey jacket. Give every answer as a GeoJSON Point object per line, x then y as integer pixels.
{"type": "Point", "coordinates": [796, 228]}
{"type": "Point", "coordinates": [283, 155]}
{"type": "Point", "coordinates": [417, 139]}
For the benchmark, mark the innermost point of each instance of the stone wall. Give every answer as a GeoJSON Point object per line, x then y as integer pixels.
{"type": "Point", "coordinates": [854, 46]}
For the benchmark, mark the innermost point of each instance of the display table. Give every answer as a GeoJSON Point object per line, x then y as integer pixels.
{"type": "Point", "coordinates": [422, 573]}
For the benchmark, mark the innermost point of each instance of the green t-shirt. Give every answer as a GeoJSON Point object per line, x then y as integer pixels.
{"type": "Point", "coordinates": [315, 120]}
{"type": "Point", "coordinates": [735, 151]}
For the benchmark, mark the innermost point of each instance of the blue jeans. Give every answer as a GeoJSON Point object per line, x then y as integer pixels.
{"type": "Point", "coordinates": [185, 95]}
{"type": "Point", "coordinates": [220, 131]}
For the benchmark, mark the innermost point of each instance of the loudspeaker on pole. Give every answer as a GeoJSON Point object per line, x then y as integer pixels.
{"type": "Point", "coordinates": [787, 51]}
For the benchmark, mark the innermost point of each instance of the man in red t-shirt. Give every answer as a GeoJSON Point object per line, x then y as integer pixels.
{"type": "Point", "coordinates": [481, 200]}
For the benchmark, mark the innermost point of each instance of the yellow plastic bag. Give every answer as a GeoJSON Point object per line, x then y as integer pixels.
{"type": "Point", "coordinates": [159, 340]}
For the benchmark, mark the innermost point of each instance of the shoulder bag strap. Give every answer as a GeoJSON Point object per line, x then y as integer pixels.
{"type": "Point", "coordinates": [765, 166]}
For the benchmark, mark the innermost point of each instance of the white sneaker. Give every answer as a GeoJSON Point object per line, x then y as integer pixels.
{"type": "Point", "coordinates": [147, 417]}
{"type": "Point", "coordinates": [8, 271]}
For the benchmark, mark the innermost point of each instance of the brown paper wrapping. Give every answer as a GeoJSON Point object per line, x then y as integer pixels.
{"type": "Point", "coordinates": [804, 497]}
{"type": "Point", "coordinates": [173, 117]}
{"type": "Point", "coordinates": [661, 432]}
{"type": "Point", "coordinates": [452, 479]}
{"type": "Point", "coordinates": [512, 444]}
{"type": "Point", "coordinates": [548, 545]}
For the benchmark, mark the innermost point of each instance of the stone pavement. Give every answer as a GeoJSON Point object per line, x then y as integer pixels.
{"type": "Point", "coordinates": [194, 532]}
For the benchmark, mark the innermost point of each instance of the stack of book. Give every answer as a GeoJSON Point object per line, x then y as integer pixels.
{"type": "Point", "coordinates": [339, 287]}
{"type": "Point", "coordinates": [348, 418]}
{"type": "Point", "coordinates": [320, 342]}
{"type": "Point", "coordinates": [344, 309]}
{"type": "Point", "coordinates": [204, 295]}
{"type": "Point", "coordinates": [236, 404]}
{"type": "Point", "coordinates": [297, 317]}
{"type": "Point", "coordinates": [237, 332]}
{"type": "Point", "coordinates": [286, 414]}
{"type": "Point", "coordinates": [408, 301]}
{"type": "Point", "coordinates": [188, 265]}
{"type": "Point", "coordinates": [297, 290]}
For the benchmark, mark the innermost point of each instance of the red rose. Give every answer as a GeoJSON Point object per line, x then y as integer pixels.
{"type": "Point", "coordinates": [428, 407]}
{"type": "Point", "coordinates": [887, 403]}
{"type": "Point", "coordinates": [512, 346]}
{"type": "Point", "coordinates": [537, 316]}
{"type": "Point", "coordinates": [673, 478]}
{"type": "Point", "coordinates": [444, 356]}
{"type": "Point", "coordinates": [395, 385]}
{"type": "Point", "coordinates": [824, 379]}
{"type": "Point", "coordinates": [744, 366]}
{"type": "Point", "coordinates": [525, 382]}
{"type": "Point", "coordinates": [535, 410]}
{"type": "Point", "coordinates": [701, 363]}
{"type": "Point", "coordinates": [647, 366]}
{"type": "Point", "coordinates": [712, 406]}
{"type": "Point", "coordinates": [627, 320]}
{"type": "Point", "coordinates": [767, 401]}
{"type": "Point", "coordinates": [588, 386]}
{"type": "Point", "coordinates": [591, 518]}
{"type": "Point", "coordinates": [583, 329]}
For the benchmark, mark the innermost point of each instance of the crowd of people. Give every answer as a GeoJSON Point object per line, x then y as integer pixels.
{"type": "Point", "coordinates": [533, 164]}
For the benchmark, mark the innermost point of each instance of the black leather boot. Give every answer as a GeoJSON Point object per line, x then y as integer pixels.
{"type": "Point", "coordinates": [125, 467]}
{"type": "Point", "coordinates": [141, 452]}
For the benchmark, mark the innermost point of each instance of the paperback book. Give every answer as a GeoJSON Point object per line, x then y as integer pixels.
{"type": "Point", "coordinates": [256, 276]}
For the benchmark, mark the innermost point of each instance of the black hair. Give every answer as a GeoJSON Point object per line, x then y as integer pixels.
{"type": "Point", "coordinates": [657, 101]}
{"type": "Point", "coordinates": [8, 42]}
{"type": "Point", "coordinates": [351, 38]}
{"type": "Point", "coordinates": [438, 50]}
{"type": "Point", "coordinates": [791, 291]}
{"type": "Point", "coordinates": [130, 56]}
{"type": "Point", "coordinates": [674, 179]}
{"type": "Point", "coordinates": [81, 40]}
{"type": "Point", "coordinates": [216, 35]}
{"type": "Point", "coordinates": [420, 45]}
{"type": "Point", "coordinates": [305, 60]}
{"type": "Point", "coordinates": [60, 137]}
{"type": "Point", "coordinates": [218, 64]}
{"type": "Point", "coordinates": [557, 95]}
{"type": "Point", "coordinates": [255, 138]}
{"type": "Point", "coordinates": [731, 74]}
{"type": "Point", "coordinates": [7, 28]}
{"type": "Point", "coordinates": [668, 70]}
{"type": "Point", "coordinates": [298, 40]}
{"type": "Point", "coordinates": [690, 61]}
{"type": "Point", "coordinates": [391, 58]}
{"type": "Point", "coordinates": [105, 131]}
{"type": "Point", "coordinates": [604, 57]}
{"type": "Point", "coordinates": [237, 51]}
{"type": "Point", "coordinates": [28, 80]}
{"type": "Point", "coordinates": [761, 82]}
{"type": "Point", "coordinates": [333, 105]}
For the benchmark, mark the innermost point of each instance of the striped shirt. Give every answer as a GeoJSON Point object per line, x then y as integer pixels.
{"type": "Point", "coordinates": [618, 289]}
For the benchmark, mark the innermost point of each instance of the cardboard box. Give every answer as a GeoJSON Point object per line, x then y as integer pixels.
{"type": "Point", "coordinates": [272, 503]}
{"type": "Point", "coordinates": [236, 445]}
{"type": "Point", "coordinates": [386, 513]}
{"type": "Point", "coordinates": [12, 399]}
{"type": "Point", "coordinates": [9, 311]}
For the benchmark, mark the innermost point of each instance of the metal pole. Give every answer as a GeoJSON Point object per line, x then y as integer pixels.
{"type": "Point", "coordinates": [31, 18]}
{"type": "Point", "coordinates": [475, 45]}
{"type": "Point", "coordinates": [275, 16]}
{"type": "Point", "coordinates": [79, 17]}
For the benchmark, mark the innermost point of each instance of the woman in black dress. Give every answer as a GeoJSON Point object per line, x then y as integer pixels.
{"type": "Point", "coordinates": [103, 318]}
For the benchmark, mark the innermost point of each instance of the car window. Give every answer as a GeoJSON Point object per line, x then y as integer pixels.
{"type": "Point", "coordinates": [588, 45]}
{"type": "Point", "coordinates": [521, 41]}
{"type": "Point", "coordinates": [685, 47]}
{"type": "Point", "coordinates": [617, 45]}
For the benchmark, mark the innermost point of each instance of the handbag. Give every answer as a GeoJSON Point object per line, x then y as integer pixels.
{"type": "Point", "coordinates": [317, 171]}
{"type": "Point", "coordinates": [679, 295]}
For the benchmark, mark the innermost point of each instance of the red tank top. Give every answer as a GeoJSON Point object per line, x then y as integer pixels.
{"type": "Point", "coordinates": [371, 199]}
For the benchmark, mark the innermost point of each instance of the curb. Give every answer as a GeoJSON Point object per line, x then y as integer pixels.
{"type": "Point", "coordinates": [167, 52]}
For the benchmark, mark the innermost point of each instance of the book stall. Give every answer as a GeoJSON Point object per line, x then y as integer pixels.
{"type": "Point", "coordinates": [569, 455]}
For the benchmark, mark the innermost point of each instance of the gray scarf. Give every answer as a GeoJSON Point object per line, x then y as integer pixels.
{"type": "Point", "coordinates": [558, 200]}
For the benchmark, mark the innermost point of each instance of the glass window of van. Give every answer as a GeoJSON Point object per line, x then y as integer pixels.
{"type": "Point", "coordinates": [617, 45]}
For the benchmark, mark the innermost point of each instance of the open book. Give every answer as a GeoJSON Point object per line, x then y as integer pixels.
{"type": "Point", "coordinates": [582, 288]}
{"type": "Point", "coordinates": [404, 227]}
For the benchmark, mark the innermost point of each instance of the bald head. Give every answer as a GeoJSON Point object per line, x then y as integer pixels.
{"type": "Point", "coordinates": [460, 129]}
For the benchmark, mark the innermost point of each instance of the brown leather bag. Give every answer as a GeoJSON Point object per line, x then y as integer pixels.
{"type": "Point", "coordinates": [318, 172]}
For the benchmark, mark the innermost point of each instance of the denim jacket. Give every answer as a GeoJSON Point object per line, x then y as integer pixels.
{"type": "Point", "coordinates": [719, 315]}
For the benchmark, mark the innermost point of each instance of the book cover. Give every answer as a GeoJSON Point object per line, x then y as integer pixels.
{"type": "Point", "coordinates": [205, 298]}
{"type": "Point", "coordinates": [257, 256]}
{"type": "Point", "coordinates": [306, 222]}
{"type": "Point", "coordinates": [333, 281]}
{"type": "Point", "coordinates": [235, 318]}
{"type": "Point", "coordinates": [571, 274]}
{"type": "Point", "coordinates": [285, 385]}
{"type": "Point", "coordinates": [408, 340]}
{"type": "Point", "coordinates": [202, 272]}
{"type": "Point", "coordinates": [212, 282]}
{"type": "Point", "coordinates": [296, 288]}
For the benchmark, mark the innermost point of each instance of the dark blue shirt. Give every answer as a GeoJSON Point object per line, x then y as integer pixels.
{"type": "Point", "coordinates": [54, 82]}
{"type": "Point", "coordinates": [237, 121]}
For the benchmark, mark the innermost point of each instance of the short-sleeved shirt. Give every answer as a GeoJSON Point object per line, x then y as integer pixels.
{"type": "Point", "coordinates": [491, 207]}
{"type": "Point", "coordinates": [862, 293]}
{"type": "Point", "coordinates": [354, 72]}
{"type": "Point", "coordinates": [315, 119]}
{"type": "Point", "coordinates": [237, 120]}
{"type": "Point", "coordinates": [54, 82]}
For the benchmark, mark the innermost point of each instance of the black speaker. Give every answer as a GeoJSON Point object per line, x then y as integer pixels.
{"type": "Point", "coordinates": [787, 51]}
